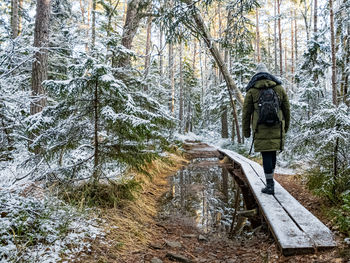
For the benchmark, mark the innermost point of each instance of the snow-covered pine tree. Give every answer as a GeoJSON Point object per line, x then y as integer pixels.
{"type": "Point", "coordinates": [63, 38]}
{"type": "Point", "coordinates": [323, 143]}
{"type": "Point", "coordinates": [191, 94]}
{"type": "Point", "coordinates": [95, 125]}
{"type": "Point", "coordinates": [311, 76]}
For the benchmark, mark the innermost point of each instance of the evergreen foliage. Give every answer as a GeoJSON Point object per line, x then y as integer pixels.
{"type": "Point", "coordinates": [324, 140]}
{"type": "Point", "coordinates": [191, 97]}
{"type": "Point", "coordinates": [129, 125]}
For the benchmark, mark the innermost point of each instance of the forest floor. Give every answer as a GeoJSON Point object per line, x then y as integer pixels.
{"type": "Point", "coordinates": [142, 233]}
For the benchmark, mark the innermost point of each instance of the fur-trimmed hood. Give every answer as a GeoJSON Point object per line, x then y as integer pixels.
{"type": "Point", "coordinates": [262, 76]}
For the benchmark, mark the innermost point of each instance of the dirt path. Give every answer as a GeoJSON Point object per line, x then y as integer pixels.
{"type": "Point", "coordinates": [176, 237]}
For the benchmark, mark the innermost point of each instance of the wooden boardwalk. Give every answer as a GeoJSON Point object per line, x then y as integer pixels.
{"type": "Point", "coordinates": [294, 228]}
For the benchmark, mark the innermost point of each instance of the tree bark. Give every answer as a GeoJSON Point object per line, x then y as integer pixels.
{"type": "Point", "coordinates": [285, 57]}
{"type": "Point", "coordinates": [171, 76]}
{"type": "Point", "coordinates": [194, 54]}
{"type": "Point", "coordinates": [292, 44]}
{"type": "Point", "coordinates": [160, 52]}
{"type": "Point", "coordinates": [204, 32]}
{"type": "Point", "coordinates": [275, 34]}
{"type": "Point", "coordinates": [238, 131]}
{"type": "Point", "coordinates": [347, 61]}
{"type": "Point", "coordinates": [202, 72]}
{"type": "Point", "coordinates": [148, 45]}
{"type": "Point", "coordinates": [233, 130]}
{"type": "Point", "coordinates": [334, 83]}
{"type": "Point", "coordinates": [20, 3]}
{"type": "Point", "coordinates": [224, 124]}
{"type": "Point", "coordinates": [280, 35]}
{"type": "Point", "coordinates": [125, 10]}
{"type": "Point", "coordinates": [181, 100]}
{"type": "Point", "coordinates": [315, 16]}
{"type": "Point", "coordinates": [93, 26]}
{"type": "Point", "coordinates": [307, 26]}
{"type": "Point", "coordinates": [257, 36]}
{"type": "Point", "coordinates": [14, 18]}
{"type": "Point", "coordinates": [96, 143]}
{"type": "Point", "coordinates": [296, 38]}
{"type": "Point", "coordinates": [40, 65]}
{"type": "Point", "coordinates": [86, 21]}
{"type": "Point", "coordinates": [132, 22]}
{"type": "Point", "coordinates": [268, 45]}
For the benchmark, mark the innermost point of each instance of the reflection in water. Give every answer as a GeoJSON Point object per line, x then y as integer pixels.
{"type": "Point", "coordinates": [205, 193]}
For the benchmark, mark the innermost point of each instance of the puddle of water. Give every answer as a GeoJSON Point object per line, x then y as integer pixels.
{"type": "Point", "coordinates": [204, 192]}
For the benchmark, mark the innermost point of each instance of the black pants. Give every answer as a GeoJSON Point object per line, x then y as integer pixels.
{"type": "Point", "coordinates": [269, 161]}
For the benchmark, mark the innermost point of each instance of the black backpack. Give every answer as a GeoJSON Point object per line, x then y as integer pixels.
{"type": "Point", "coordinates": [268, 107]}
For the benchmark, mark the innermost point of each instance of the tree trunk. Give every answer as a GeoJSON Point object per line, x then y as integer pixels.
{"type": "Point", "coordinates": [20, 3]}
{"type": "Point", "coordinates": [307, 27]}
{"type": "Point", "coordinates": [219, 19]}
{"type": "Point", "coordinates": [334, 83]}
{"type": "Point", "coordinates": [296, 38]}
{"type": "Point", "coordinates": [189, 117]}
{"type": "Point", "coordinates": [224, 124]}
{"type": "Point", "coordinates": [238, 131]}
{"type": "Point", "coordinates": [205, 76]}
{"type": "Point", "coordinates": [132, 22]}
{"type": "Point", "coordinates": [280, 35]}
{"type": "Point", "coordinates": [87, 46]}
{"type": "Point", "coordinates": [194, 54]}
{"type": "Point", "coordinates": [257, 37]}
{"type": "Point", "coordinates": [347, 61]}
{"type": "Point", "coordinates": [93, 26]}
{"type": "Point", "coordinates": [40, 65]}
{"type": "Point", "coordinates": [285, 57]}
{"type": "Point", "coordinates": [269, 45]}
{"type": "Point", "coordinates": [202, 28]}
{"type": "Point", "coordinates": [171, 76]}
{"type": "Point", "coordinates": [14, 18]}
{"type": "Point", "coordinates": [275, 34]}
{"type": "Point", "coordinates": [233, 130]}
{"type": "Point", "coordinates": [86, 21]}
{"type": "Point", "coordinates": [202, 73]}
{"type": "Point", "coordinates": [315, 16]}
{"type": "Point", "coordinates": [181, 100]}
{"type": "Point", "coordinates": [160, 52]}
{"type": "Point", "coordinates": [292, 45]}
{"type": "Point", "coordinates": [96, 143]}
{"type": "Point", "coordinates": [148, 45]}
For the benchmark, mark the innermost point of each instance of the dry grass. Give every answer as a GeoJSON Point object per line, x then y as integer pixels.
{"type": "Point", "coordinates": [131, 227]}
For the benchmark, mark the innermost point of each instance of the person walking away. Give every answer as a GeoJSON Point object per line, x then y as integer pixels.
{"type": "Point", "coordinates": [266, 111]}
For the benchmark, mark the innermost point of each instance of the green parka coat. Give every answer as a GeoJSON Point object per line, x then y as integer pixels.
{"type": "Point", "coordinates": [266, 138]}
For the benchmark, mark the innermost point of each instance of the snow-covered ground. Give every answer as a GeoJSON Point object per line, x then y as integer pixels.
{"type": "Point", "coordinates": [47, 230]}
{"type": "Point", "coordinates": [36, 226]}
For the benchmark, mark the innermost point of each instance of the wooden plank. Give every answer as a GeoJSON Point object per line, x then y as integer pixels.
{"type": "Point", "coordinates": [289, 237]}
{"type": "Point", "coordinates": [310, 224]}
{"type": "Point", "coordinates": [304, 219]}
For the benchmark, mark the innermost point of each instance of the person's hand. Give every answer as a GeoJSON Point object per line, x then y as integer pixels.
{"type": "Point", "coordinates": [247, 133]}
